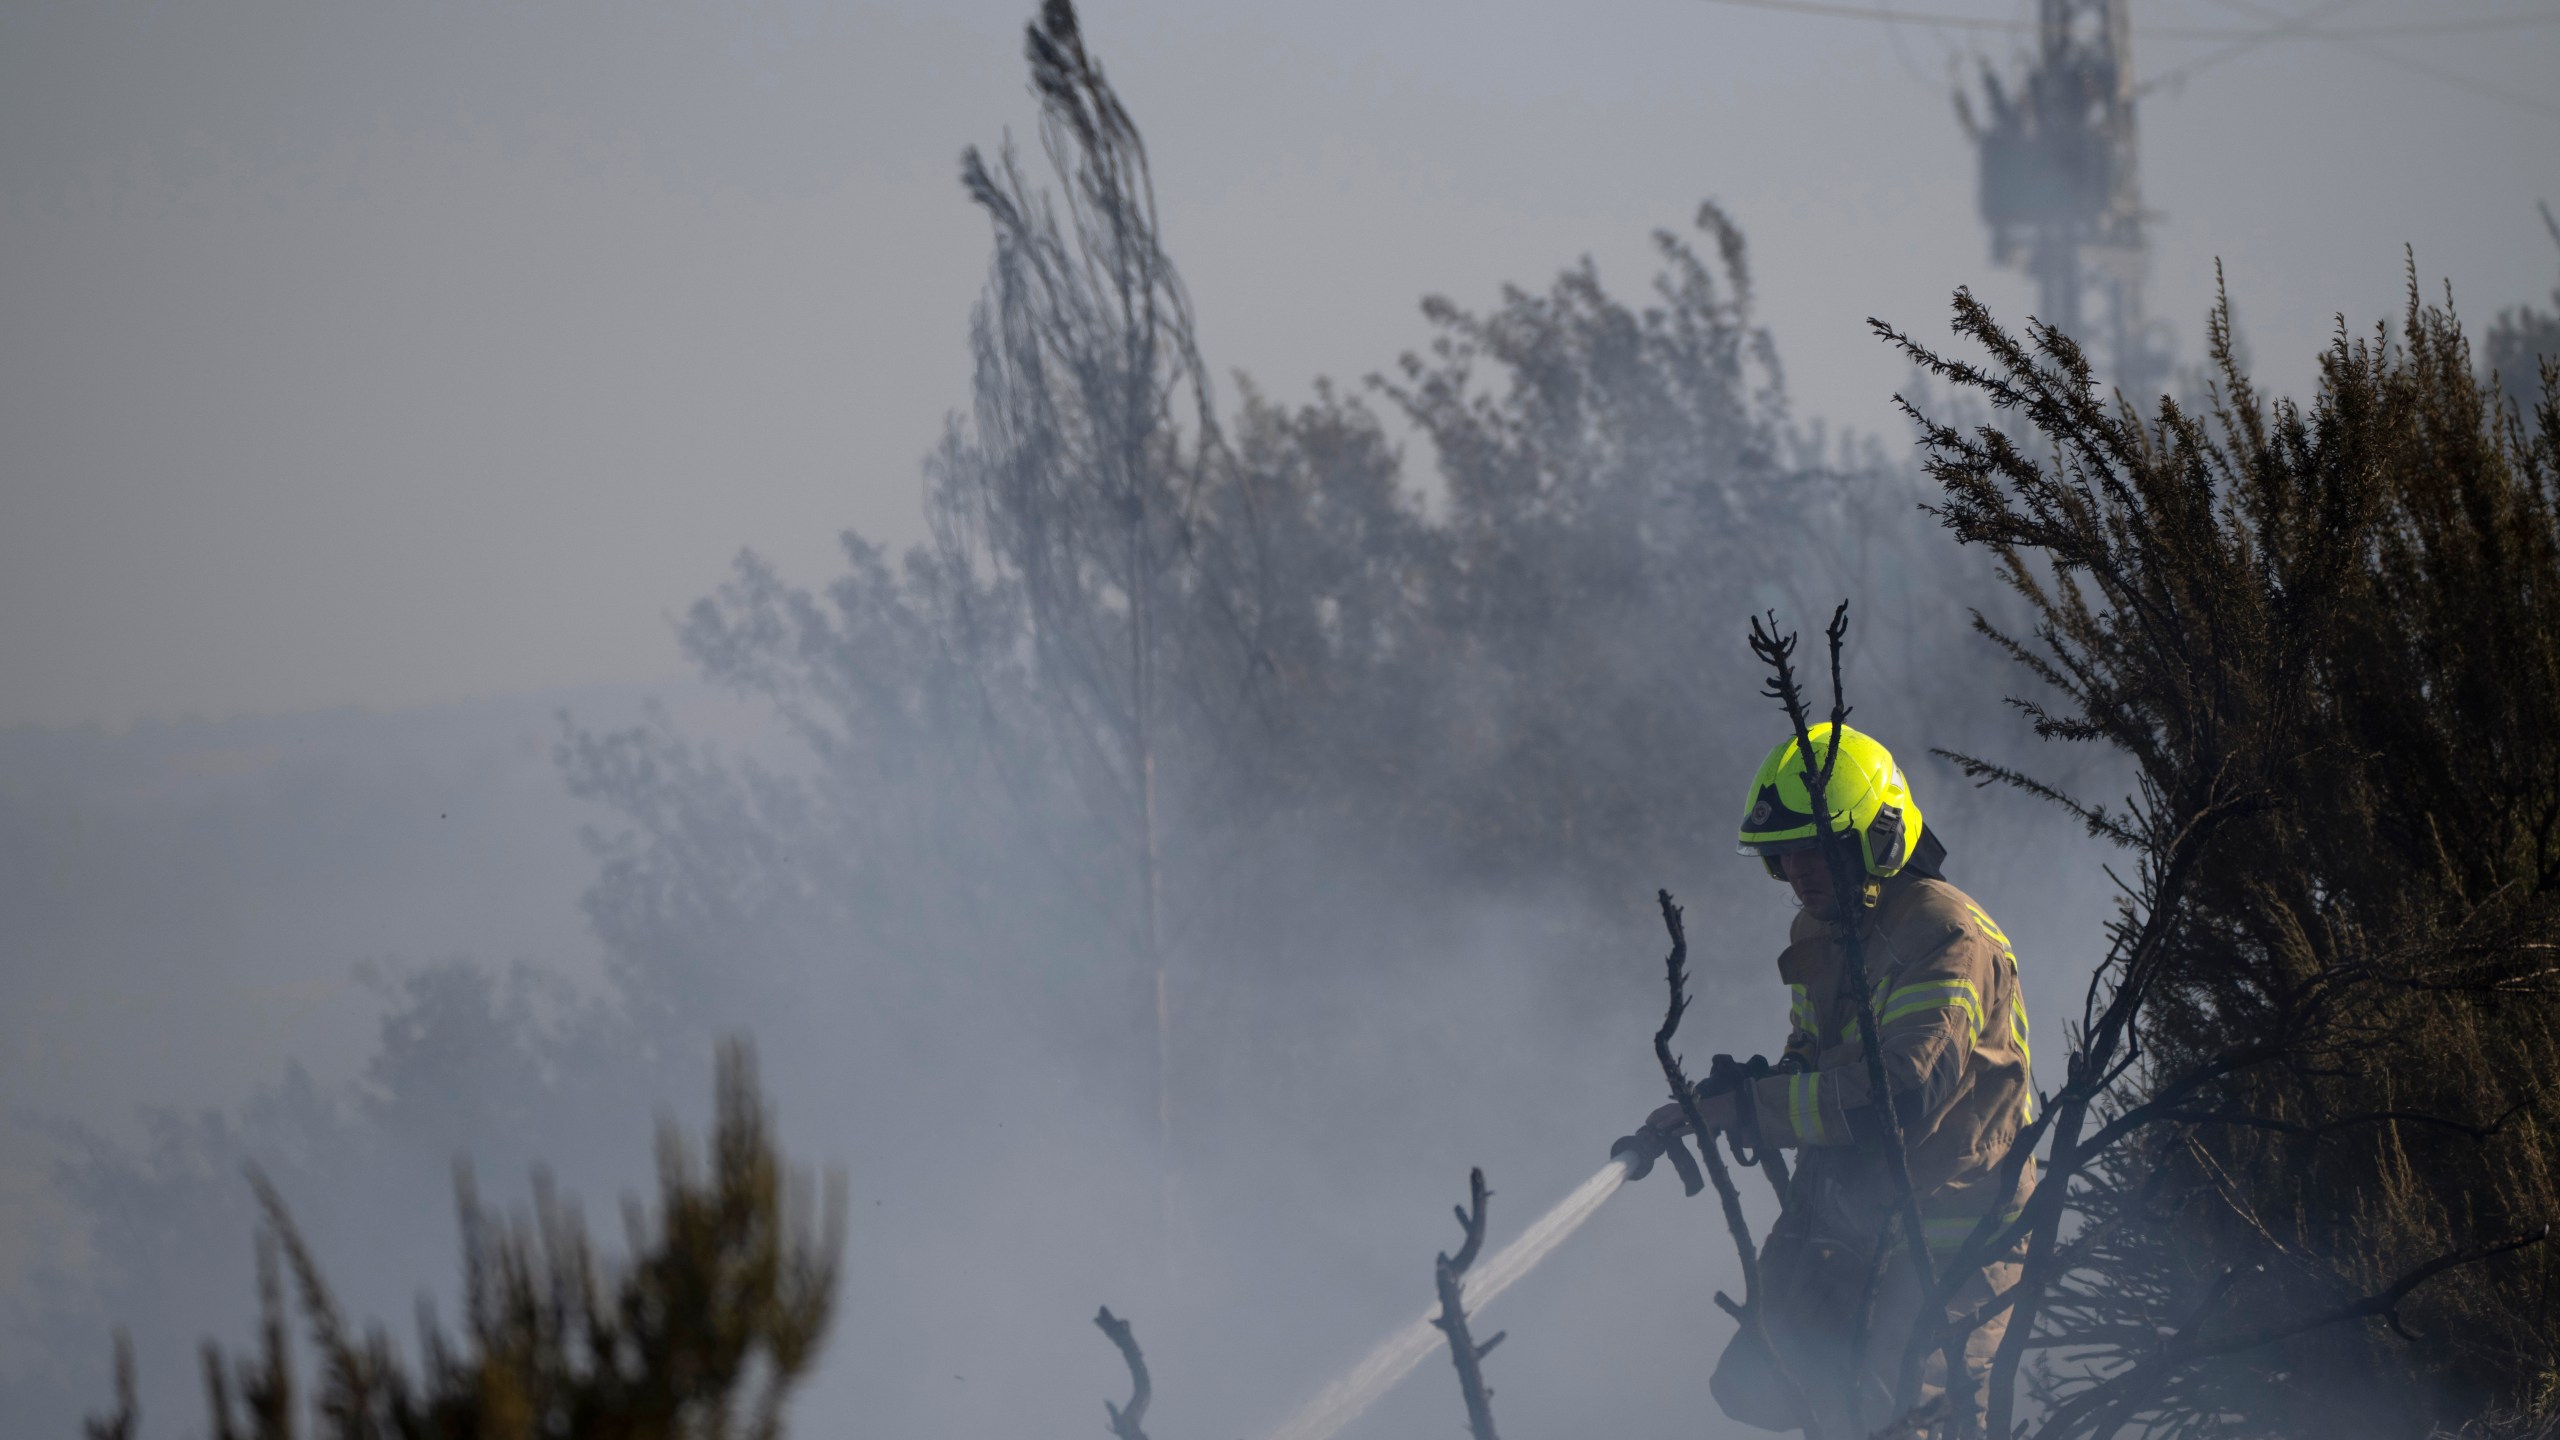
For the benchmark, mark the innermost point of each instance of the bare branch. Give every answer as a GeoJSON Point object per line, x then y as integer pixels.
{"type": "Point", "coordinates": [1449, 1276]}
{"type": "Point", "coordinates": [1676, 979]}
{"type": "Point", "coordinates": [1471, 1221]}
{"type": "Point", "coordinates": [123, 1422]}
{"type": "Point", "coordinates": [1848, 918]}
{"type": "Point", "coordinates": [1125, 1418]}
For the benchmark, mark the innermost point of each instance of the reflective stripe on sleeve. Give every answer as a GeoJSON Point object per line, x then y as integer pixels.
{"type": "Point", "coordinates": [2026, 1056]}
{"type": "Point", "coordinates": [1948, 1233]}
{"type": "Point", "coordinates": [1993, 930]}
{"type": "Point", "coordinates": [1804, 1106]}
{"type": "Point", "coordinates": [2017, 1010]}
{"type": "Point", "coordinates": [1934, 995]}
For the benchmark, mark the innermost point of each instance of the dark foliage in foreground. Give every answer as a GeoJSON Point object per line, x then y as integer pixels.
{"type": "Point", "coordinates": [2329, 638]}
{"type": "Point", "coordinates": [701, 1332]}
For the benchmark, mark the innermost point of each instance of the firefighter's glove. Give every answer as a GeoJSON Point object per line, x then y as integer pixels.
{"type": "Point", "coordinates": [1714, 1109]}
{"type": "Point", "coordinates": [1661, 1138]}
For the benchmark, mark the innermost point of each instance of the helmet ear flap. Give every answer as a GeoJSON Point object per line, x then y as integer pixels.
{"type": "Point", "coordinates": [1884, 841]}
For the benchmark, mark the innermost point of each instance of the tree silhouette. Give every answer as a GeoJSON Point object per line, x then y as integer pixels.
{"type": "Point", "coordinates": [2304, 1093]}
{"type": "Point", "coordinates": [702, 1331]}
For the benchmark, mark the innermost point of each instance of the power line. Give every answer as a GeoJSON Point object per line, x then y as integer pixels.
{"type": "Point", "coordinates": [2397, 30]}
{"type": "Point", "coordinates": [1902, 55]}
{"type": "Point", "coordinates": [2347, 39]}
{"type": "Point", "coordinates": [2287, 28]}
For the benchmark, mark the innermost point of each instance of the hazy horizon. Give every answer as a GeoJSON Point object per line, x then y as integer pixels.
{"type": "Point", "coordinates": [332, 335]}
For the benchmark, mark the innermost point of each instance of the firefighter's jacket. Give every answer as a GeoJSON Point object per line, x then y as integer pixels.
{"type": "Point", "coordinates": [1952, 1030]}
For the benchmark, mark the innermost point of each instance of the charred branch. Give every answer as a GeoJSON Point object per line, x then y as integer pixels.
{"type": "Point", "coordinates": [1470, 1223]}
{"type": "Point", "coordinates": [1848, 890]}
{"type": "Point", "coordinates": [1675, 971]}
{"type": "Point", "coordinates": [1449, 1275]}
{"type": "Point", "coordinates": [1675, 968]}
{"type": "Point", "coordinates": [1126, 1419]}
{"type": "Point", "coordinates": [120, 1423]}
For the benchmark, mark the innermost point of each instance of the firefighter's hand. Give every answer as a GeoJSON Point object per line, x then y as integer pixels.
{"type": "Point", "coordinates": [1715, 1110]}
{"type": "Point", "coordinates": [1662, 1131]}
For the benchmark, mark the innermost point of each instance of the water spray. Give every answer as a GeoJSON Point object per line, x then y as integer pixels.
{"type": "Point", "coordinates": [1394, 1357]}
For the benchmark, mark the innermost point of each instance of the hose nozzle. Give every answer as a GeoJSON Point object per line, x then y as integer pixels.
{"type": "Point", "coordinates": [1648, 1145]}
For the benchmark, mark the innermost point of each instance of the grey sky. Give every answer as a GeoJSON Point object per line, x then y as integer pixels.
{"type": "Point", "coordinates": [391, 354]}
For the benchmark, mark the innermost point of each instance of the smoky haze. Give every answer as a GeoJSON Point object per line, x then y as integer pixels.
{"type": "Point", "coordinates": [393, 358]}
{"type": "Point", "coordinates": [501, 328]}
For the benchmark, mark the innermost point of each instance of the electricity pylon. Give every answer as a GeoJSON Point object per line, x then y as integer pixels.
{"type": "Point", "coordinates": [2060, 185]}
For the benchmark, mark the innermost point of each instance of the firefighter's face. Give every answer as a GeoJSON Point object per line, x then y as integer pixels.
{"type": "Point", "coordinates": [1810, 875]}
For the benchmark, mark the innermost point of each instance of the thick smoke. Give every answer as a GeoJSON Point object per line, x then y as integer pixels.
{"type": "Point", "coordinates": [1409, 931]}
{"type": "Point", "coordinates": [1446, 678]}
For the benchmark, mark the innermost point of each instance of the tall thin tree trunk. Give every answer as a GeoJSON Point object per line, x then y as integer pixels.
{"type": "Point", "coordinates": [1150, 858]}
{"type": "Point", "coordinates": [1153, 901]}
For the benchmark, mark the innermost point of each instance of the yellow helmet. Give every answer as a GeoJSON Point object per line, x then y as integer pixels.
{"type": "Point", "coordinates": [1868, 799]}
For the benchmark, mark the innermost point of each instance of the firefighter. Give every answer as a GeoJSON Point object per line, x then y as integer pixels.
{"type": "Point", "coordinates": [1952, 1031]}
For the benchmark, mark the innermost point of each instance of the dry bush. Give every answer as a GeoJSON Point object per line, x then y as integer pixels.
{"type": "Point", "coordinates": [2328, 637]}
